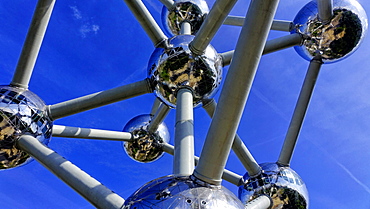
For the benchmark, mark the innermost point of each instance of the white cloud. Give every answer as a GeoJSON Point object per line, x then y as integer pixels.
{"type": "Point", "coordinates": [87, 26]}
{"type": "Point", "coordinates": [76, 12]}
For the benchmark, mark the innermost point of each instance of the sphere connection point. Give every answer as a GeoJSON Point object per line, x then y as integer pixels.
{"type": "Point", "coordinates": [145, 146]}
{"type": "Point", "coordinates": [21, 112]}
{"type": "Point", "coordinates": [182, 192]}
{"type": "Point", "coordinates": [191, 11]}
{"type": "Point", "coordinates": [283, 185]}
{"type": "Point", "coordinates": [336, 39]}
{"type": "Point", "coordinates": [177, 67]}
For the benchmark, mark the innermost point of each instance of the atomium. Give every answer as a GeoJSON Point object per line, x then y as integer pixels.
{"type": "Point", "coordinates": [191, 11]}
{"type": "Point", "coordinates": [175, 192]}
{"type": "Point", "coordinates": [177, 67]}
{"type": "Point", "coordinates": [336, 39]}
{"type": "Point", "coordinates": [283, 185]}
{"type": "Point", "coordinates": [21, 112]}
{"type": "Point", "coordinates": [145, 145]}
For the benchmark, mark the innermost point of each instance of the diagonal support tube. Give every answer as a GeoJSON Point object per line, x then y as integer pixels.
{"type": "Point", "coordinates": [99, 99]}
{"type": "Point", "coordinates": [238, 146]}
{"type": "Point", "coordinates": [89, 133]}
{"type": "Point", "coordinates": [158, 117]}
{"type": "Point", "coordinates": [168, 3]}
{"type": "Point", "coordinates": [300, 111]}
{"type": "Point", "coordinates": [184, 134]}
{"type": "Point", "coordinates": [32, 44]}
{"type": "Point", "coordinates": [235, 91]}
{"type": "Point", "coordinates": [325, 8]}
{"type": "Point", "coordinates": [211, 24]}
{"type": "Point", "coordinates": [272, 45]}
{"type": "Point", "coordinates": [89, 188]}
{"type": "Point", "coordinates": [261, 202]}
{"type": "Point", "coordinates": [146, 21]}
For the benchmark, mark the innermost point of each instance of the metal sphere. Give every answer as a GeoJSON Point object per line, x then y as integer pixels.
{"type": "Point", "coordinates": [145, 146]}
{"type": "Point", "coordinates": [283, 185]}
{"type": "Point", "coordinates": [182, 192]}
{"type": "Point", "coordinates": [335, 40]}
{"type": "Point", "coordinates": [191, 11]}
{"type": "Point", "coordinates": [21, 112]}
{"type": "Point", "coordinates": [177, 67]}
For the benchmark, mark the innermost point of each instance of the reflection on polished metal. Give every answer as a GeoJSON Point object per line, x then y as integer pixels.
{"type": "Point", "coordinates": [182, 192]}
{"type": "Point", "coordinates": [191, 11]}
{"type": "Point", "coordinates": [335, 40]}
{"type": "Point", "coordinates": [283, 185]}
{"type": "Point", "coordinates": [146, 146]}
{"type": "Point", "coordinates": [176, 67]}
{"type": "Point", "coordinates": [21, 112]}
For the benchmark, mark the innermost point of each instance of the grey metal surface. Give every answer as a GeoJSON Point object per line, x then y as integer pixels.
{"type": "Point", "coordinates": [148, 23]}
{"type": "Point", "coordinates": [325, 8]}
{"type": "Point", "coordinates": [280, 25]}
{"type": "Point", "coordinates": [211, 24]}
{"type": "Point", "coordinates": [261, 202]}
{"type": "Point", "coordinates": [158, 117]}
{"type": "Point", "coordinates": [98, 99]}
{"type": "Point", "coordinates": [185, 28]}
{"type": "Point", "coordinates": [89, 188]}
{"type": "Point", "coordinates": [89, 133]}
{"type": "Point", "coordinates": [168, 3]}
{"type": "Point", "coordinates": [241, 151]}
{"type": "Point", "coordinates": [300, 111]}
{"type": "Point", "coordinates": [183, 164]}
{"type": "Point", "coordinates": [231, 103]}
{"type": "Point", "coordinates": [32, 44]}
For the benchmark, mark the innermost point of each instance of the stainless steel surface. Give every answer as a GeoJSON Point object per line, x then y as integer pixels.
{"type": "Point", "coordinates": [176, 67]}
{"type": "Point", "coordinates": [21, 112]}
{"type": "Point", "coordinates": [282, 184]}
{"type": "Point", "coordinates": [335, 40]}
{"type": "Point", "coordinates": [145, 146]}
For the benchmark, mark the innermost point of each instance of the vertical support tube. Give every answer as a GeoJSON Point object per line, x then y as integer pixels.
{"type": "Point", "coordinates": [325, 8]}
{"type": "Point", "coordinates": [155, 106]}
{"type": "Point", "coordinates": [185, 28]}
{"type": "Point", "coordinates": [300, 111]}
{"type": "Point", "coordinates": [88, 187]}
{"type": "Point", "coordinates": [236, 89]}
{"type": "Point", "coordinates": [147, 22]}
{"type": "Point", "coordinates": [238, 146]}
{"type": "Point", "coordinates": [211, 24]}
{"type": "Point", "coordinates": [184, 134]}
{"type": "Point", "coordinates": [261, 202]}
{"type": "Point", "coordinates": [32, 44]}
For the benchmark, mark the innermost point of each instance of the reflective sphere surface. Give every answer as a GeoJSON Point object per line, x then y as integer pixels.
{"type": "Point", "coordinates": [191, 11]}
{"type": "Point", "coordinates": [335, 40]}
{"type": "Point", "coordinates": [176, 67]}
{"type": "Point", "coordinates": [21, 112]}
{"type": "Point", "coordinates": [146, 146]}
{"type": "Point", "coordinates": [172, 192]}
{"type": "Point", "coordinates": [282, 184]}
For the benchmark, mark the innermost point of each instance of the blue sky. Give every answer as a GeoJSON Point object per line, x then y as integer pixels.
{"type": "Point", "coordinates": [97, 45]}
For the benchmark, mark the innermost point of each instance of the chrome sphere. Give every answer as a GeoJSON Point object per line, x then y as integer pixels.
{"type": "Point", "coordinates": [335, 40]}
{"type": "Point", "coordinates": [21, 112]}
{"type": "Point", "coordinates": [191, 11]}
{"type": "Point", "coordinates": [145, 146]}
{"type": "Point", "coordinates": [176, 67]}
{"type": "Point", "coordinates": [182, 192]}
{"type": "Point", "coordinates": [281, 184]}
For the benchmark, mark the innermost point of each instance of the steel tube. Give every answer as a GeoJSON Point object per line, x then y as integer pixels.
{"type": "Point", "coordinates": [261, 202]}
{"type": "Point", "coordinates": [158, 118]}
{"type": "Point", "coordinates": [184, 134]}
{"type": "Point", "coordinates": [226, 175]}
{"type": "Point", "coordinates": [89, 133]}
{"type": "Point", "coordinates": [211, 24]}
{"type": "Point", "coordinates": [239, 148]}
{"type": "Point", "coordinates": [279, 25]}
{"type": "Point", "coordinates": [89, 188]}
{"type": "Point", "coordinates": [300, 111]}
{"type": "Point", "coordinates": [272, 45]}
{"type": "Point", "coordinates": [147, 22]}
{"type": "Point", "coordinates": [235, 92]}
{"type": "Point", "coordinates": [185, 28]}
{"type": "Point", "coordinates": [98, 99]}
{"type": "Point", "coordinates": [325, 8]}
{"type": "Point", "coordinates": [155, 106]}
{"type": "Point", "coordinates": [32, 44]}
{"type": "Point", "coordinates": [168, 3]}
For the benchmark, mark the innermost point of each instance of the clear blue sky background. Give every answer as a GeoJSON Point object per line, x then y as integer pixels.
{"type": "Point", "coordinates": [97, 45]}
